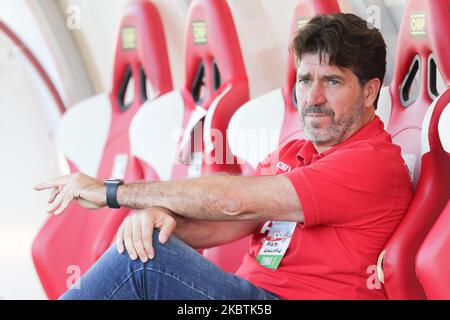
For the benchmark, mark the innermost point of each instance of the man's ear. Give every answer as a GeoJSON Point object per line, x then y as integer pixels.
{"type": "Point", "coordinates": [370, 91]}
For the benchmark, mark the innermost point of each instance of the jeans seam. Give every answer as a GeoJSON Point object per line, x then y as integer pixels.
{"type": "Point", "coordinates": [181, 281]}
{"type": "Point", "coordinates": [144, 286]}
{"type": "Point", "coordinates": [162, 272]}
{"type": "Point", "coordinates": [121, 284]}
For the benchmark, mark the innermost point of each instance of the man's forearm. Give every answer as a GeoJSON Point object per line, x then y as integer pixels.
{"type": "Point", "coordinates": [218, 198]}
{"type": "Point", "coordinates": [192, 198]}
{"type": "Point", "coordinates": [201, 234]}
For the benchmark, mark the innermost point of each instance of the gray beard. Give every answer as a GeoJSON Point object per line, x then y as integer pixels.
{"type": "Point", "coordinates": [333, 133]}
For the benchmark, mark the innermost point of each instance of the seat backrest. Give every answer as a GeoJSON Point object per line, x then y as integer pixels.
{"type": "Point", "coordinates": [217, 81]}
{"type": "Point", "coordinates": [421, 52]}
{"type": "Point", "coordinates": [93, 137]}
{"type": "Point", "coordinates": [397, 261]}
{"type": "Point", "coordinates": [142, 72]}
{"type": "Point", "coordinates": [433, 259]}
{"type": "Point", "coordinates": [191, 123]}
{"type": "Point", "coordinates": [261, 124]}
{"type": "Point", "coordinates": [270, 120]}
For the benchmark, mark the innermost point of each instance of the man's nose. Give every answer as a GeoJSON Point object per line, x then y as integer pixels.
{"type": "Point", "coordinates": [316, 94]}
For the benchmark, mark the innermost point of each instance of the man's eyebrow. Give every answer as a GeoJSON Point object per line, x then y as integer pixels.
{"type": "Point", "coordinates": [332, 76]}
{"type": "Point", "coordinates": [303, 75]}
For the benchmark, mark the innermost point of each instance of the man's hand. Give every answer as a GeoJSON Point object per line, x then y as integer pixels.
{"type": "Point", "coordinates": [135, 233]}
{"type": "Point", "coordinates": [89, 192]}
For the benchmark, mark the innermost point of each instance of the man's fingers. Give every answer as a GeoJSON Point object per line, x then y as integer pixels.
{"type": "Point", "coordinates": [57, 202]}
{"type": "Point", "coordinates": [167, 229]}
{"type": "Point", "coordinates": [53, 195]}
{"type": "Point", "coordinates": [137, 238]}
{"type": "Point", "coordinates": [51, 184]}
{"type": "Point", "coordinates": [64, 204]}
{"type": "Point", "coordinates": [119, 243]}
{"type": "Point", "coordinates": [147, 235]}
{"type": "Point", "coordinates": [128, 239]}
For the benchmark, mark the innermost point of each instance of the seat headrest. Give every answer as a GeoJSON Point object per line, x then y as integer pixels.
{"type": "Point", "coordinates": [141, 53]}
{"type": "Point", "coordinates": [420, 53]}
{"type": "Point", "coordinates": [84, 147]}
{"type": "Point", "coordinates": [424, 27]}
{"type": "Point", "coordinates": [213, 51]}
{"type": "Point", "coordinates": [435, 129]}
{"type": "Point", "coordinates": [156, 126]}
{"type": "Point", "coordinates": [384, 106]}
{"type": "Point", "coordinates": [252, 134]}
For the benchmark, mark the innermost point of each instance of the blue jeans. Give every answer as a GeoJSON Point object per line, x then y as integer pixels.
{"type": "Point", "coordinates": [177, 272]}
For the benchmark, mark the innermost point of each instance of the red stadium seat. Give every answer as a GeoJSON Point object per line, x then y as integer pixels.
{"type": "Point", "coordinates": [215, 87]}
{"type": "Point", "coordinates": [262, 124]}
{"type": "Point", "coordinates": [217, 81]}
{"type": "Point", "coordinates": [420, 50]}
{"type": "Point", "coordinates": [93, 136]}
{"type": "Point", "coordinates": [182, 125]}
{"type": "Point", "coordinates": [433, 258]}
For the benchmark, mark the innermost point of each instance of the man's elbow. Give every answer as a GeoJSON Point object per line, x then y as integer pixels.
{"type": "Point", "coordinates": [230, 206]}
{"type": "Point", "coordinates": [234, 208]}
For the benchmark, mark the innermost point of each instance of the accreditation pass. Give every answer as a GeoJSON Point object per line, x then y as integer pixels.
{"type": "Point", "coordinates": [276, 244]}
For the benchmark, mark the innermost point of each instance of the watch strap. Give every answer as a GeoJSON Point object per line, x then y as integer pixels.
{"type": "Point", "coordinates": [111, 193]}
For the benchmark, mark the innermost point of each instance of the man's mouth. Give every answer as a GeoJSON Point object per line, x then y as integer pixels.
{"type": "Point", "coordinates": [317, 115]}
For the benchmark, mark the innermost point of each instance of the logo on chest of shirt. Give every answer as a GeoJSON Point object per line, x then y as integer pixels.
{"type": "Point", "coordinates": [283, 167]}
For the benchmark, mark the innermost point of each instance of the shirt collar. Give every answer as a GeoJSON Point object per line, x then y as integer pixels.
{"type": "Point", "coordinates": [308, 153]}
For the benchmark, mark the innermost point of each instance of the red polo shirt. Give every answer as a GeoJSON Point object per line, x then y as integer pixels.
{"type": "Point", "coordinates": [353, 196]}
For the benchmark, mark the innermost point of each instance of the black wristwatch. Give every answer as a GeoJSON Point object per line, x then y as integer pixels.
{"type": "Point", "coordinates": [111, 192]}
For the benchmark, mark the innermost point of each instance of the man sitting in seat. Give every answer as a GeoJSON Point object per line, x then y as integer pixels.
{"type": "Point", "coordinates": [320, 210]}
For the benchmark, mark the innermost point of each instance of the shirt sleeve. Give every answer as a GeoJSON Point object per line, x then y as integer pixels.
{"type": "Point", "coordinates": [346, 188]}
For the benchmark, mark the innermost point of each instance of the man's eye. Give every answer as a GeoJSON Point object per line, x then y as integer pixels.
{"type": "Point", "coordinates": [333, 82]}
{"type": "Point", "coordinates": [303, 81]}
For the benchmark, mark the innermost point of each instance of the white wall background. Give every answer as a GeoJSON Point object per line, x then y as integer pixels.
{"type": "Point", "coordinates": [27, 155]}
